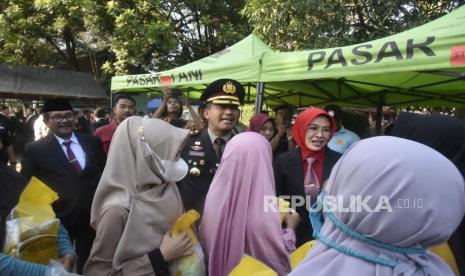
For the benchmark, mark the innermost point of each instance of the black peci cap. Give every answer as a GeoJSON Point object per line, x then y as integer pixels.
{"type": "Point", "coordinates": [56, 105]}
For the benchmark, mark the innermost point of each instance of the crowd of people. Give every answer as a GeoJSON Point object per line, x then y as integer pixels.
{"type": "Point", "coordinates": [123, 185]}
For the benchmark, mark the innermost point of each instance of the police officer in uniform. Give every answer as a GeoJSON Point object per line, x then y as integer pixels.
{"type": "Point", "coordinates": [204, 149]}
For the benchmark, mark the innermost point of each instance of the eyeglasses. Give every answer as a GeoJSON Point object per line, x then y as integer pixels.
{"type": "Point", "coordinates": [59, 118]}
{"type": "Point", "coordinates": [325, 130]}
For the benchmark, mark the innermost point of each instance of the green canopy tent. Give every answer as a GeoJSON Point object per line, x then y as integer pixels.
{"type": "Point", "coordinates": [422, 66]}
{"type": "Point", "coordinates": [241, 62]}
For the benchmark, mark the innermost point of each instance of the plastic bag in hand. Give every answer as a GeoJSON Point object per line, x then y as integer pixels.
{"type": "Point", "coordinates": [56, 269]}
{"type": "Point", "coordinates": [193, 264]}
{"type": "Point", "coordinates": [32, 227]}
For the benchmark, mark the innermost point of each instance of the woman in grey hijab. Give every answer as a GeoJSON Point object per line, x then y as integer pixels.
{"type": "Point", "coordinates": [404, 215]}
{"type": "Point", "coordinates": [445, 134]}
{"type": "Point", "coordinates": [137, 201]}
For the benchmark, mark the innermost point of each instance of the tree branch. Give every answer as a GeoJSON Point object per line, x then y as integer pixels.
{"type": "Point", "coordinates": [60, 52]}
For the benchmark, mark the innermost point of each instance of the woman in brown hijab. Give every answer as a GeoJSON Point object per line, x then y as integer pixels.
{"type": "Point", "coordinates": [137, 201]}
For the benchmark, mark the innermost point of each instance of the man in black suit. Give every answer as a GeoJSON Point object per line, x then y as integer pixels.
{"type": "Point", "coordinates": [84, 122]}
{"type": "Point", "coordinates": [7, 151]}
{"type": "Point", "coordinates": [28, 128]}
{"type": "Point", "coordinates": [71, 164]}
{"type": "Point", "coordinates": [203, 150]}
{"type": "Point", "coordinates": [100, 119]}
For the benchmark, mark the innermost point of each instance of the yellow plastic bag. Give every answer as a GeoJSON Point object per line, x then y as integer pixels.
{"type": "Point", "coordinates": [185, 223]}
{"type": "Point", "coordinates": [36, 202]}
{"type": "Point", "coordinates": [193, 264]}
{"type": "Point", "coordinates": [253, 267]}
{"type": "Point", "coordinates": [299, 255]}
{"type": "Point", "coordinates": [444, 251]}
{"type": "Point", "coordinates": [32, 227]}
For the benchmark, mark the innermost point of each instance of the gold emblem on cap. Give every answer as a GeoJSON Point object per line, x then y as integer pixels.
{"type": "Point", "coordinates": [229, 88]}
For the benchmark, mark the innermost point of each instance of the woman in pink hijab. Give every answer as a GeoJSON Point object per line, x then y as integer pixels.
{"type": "Point", "coordinates": [235, 221]}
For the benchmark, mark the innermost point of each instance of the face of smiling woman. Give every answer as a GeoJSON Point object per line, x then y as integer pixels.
{"type": "Point", "coordinates": [318, 133]}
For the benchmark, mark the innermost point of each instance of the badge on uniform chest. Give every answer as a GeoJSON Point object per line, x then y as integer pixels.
{"type": "Point", "coordinates": [197, 150]}
{"type": "Point", "coordinates": [196, 153]}
{"type": "Point", "coordinates": [197, 147]}
{"type": "Point", "coordinates": [194, 171]}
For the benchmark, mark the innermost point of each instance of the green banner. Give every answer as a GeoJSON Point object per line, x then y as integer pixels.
{"type": "Point", "coordinates": [240, 62]}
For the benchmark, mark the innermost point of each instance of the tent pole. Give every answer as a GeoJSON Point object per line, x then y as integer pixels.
{"type": "Point", "coordinates": [379, 114]}
{"type": "Point", "coordinates": [259, 97]}
{"type": "Point", "coordinates": [248, 92]}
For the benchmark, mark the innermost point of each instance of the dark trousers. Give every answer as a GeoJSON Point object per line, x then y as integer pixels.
{"type": "Point", "coordinates": [83, 235]}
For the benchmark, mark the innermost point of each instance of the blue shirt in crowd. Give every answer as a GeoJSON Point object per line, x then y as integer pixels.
{"type": "Point", "coordinates": [342, 140]}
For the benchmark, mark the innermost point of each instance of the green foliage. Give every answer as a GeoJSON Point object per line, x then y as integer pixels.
{"type": "Point", "coordinates": [152, 35]}
{"type": "Point", "coordinates": [310, 24]}
{"type": "Point", "coordinates": [248, 110]}
{"type": "Point", "coordinates": [41, 32]}
{"type": "Point", "coordinates": [140, 35]}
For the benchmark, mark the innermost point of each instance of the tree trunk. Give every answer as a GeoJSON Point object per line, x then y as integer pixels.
{"type": "Point", "coordinates": [70, 48]}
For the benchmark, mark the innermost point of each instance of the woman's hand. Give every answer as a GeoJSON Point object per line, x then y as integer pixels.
{"type": "Point", "coordinates": [68, 262]}
{"type": "Point", "coordinates": [166, 95]}
{"type": "Point", "coordinates": [175, 247]}
{"type": "Point", "coordinates": [292, 219]}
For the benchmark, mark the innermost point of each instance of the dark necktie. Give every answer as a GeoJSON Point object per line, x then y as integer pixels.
{"type": "Point", "coordinates": [219, 147]}
{"type": "Point", "coordinates": [311, 183]}
{"type": "Point", "coordinates": [72, 158]}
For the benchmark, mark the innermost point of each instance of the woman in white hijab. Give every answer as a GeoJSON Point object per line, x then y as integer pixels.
{"type": "Point", "coordinates": [413, 198]}
{"type": "Point", "coordinates": [137, 201]}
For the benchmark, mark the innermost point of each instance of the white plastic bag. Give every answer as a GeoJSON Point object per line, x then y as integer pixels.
{"type": "Point", "coordinates": [56, 269]}
{"type": "Point", "coordinates": [32, 242]}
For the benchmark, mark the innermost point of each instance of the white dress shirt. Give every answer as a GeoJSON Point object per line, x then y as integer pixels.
{"type": "Point", "coordinates": [76, 148]}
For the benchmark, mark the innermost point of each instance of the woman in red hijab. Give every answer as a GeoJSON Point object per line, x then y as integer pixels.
{"type": "Point", "coordinates": [301, 172]}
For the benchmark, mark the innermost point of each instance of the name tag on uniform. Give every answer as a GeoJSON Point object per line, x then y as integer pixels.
{"type": "Point", "coordinates": [196, 153]}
